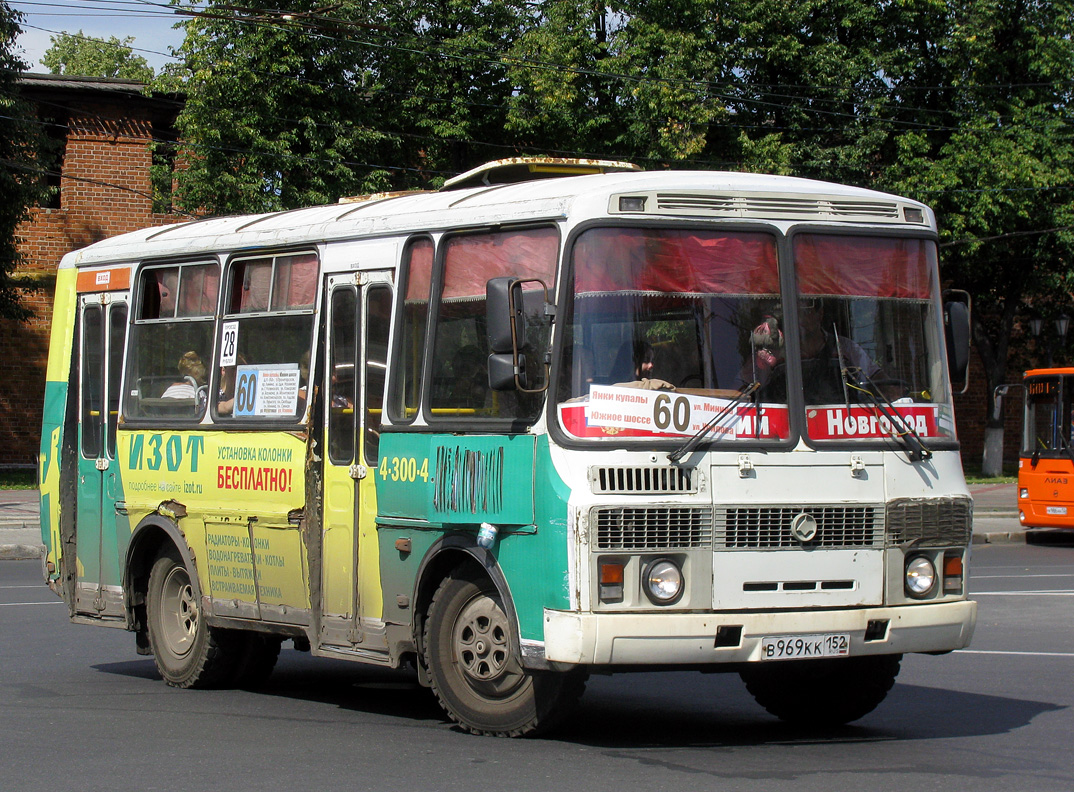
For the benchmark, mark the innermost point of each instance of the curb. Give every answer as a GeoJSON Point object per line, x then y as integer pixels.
{"type": "Point", "coordinates": [19, 552]}
{"type": "Point", "coordinates": [1000, 537]}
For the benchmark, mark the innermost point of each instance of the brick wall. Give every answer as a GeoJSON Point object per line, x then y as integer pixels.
{"type": "Point", "coordinates": [971, 412]}
{"type": "Point", "coordinates": [104, 190]}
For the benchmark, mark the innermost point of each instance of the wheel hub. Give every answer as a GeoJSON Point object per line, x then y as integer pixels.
{"type": "Point", "coordinates": [180, 612]}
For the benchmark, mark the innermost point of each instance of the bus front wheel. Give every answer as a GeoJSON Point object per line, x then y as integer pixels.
{"type": "Point", "coordinates": [186, 651]}
{"type": "Point", "coordinates": [474, 668]}
{"type": "Point", "coordinates": [822, 692]}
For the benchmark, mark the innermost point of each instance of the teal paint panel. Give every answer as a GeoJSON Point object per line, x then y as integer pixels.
{"type": "Point", "coordinates": [398, 569]}
{"type": "Point", "coordinates": [457, 479]}
{"type": "Point", "coordinates": [49, 463]}
{"type": "Point", "coordinates": [536, 565]}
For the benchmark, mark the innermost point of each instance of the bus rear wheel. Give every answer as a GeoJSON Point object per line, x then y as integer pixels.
{"type": "Point", "coordinates": [822, 692]}
{"type": "Point", "coordinates": [474, 667]}
{"type": "Point", "coordinates": [187, 652]}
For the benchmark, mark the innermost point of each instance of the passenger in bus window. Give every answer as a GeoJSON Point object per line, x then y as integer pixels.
{"type": "Point", "coordinates": [767, 353]}
{"type": "Point", "coordinates": [192, 378]}
{"type": "Point", "coordinates": [225, 396]}
{"type": "Point", "coordinates": [634, 365]}
{"type": "Point", "coordinates": [303, 380]}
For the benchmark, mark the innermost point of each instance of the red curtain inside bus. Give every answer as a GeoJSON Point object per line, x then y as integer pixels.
{"type": "Point", "coordinates": [296, 282]}
{"type": "Point", "coordinates": [677, 262]}
{"type": "Point", "coordinates": [854, 266]}
{"type": "Point", "coordinates": [198, 290]}
{"type": "Point", "coordinates": [419, 270]}
{"type": "Point", "coordinates": [472, 259]}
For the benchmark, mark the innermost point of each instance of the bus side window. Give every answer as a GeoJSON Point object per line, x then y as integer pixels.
{"type": "Point", "coordinates": [171, 341]}
{"type": "Point", "coordinates": [460, 379]}
{"type": "Point", "coordinates": [416, 278]}
{"type": "Point", "coordinates": [341, 375]}
{"type": "Point", "coordinates": [378, 320]}
{"type": "Point", "coordinates": [266, 333]}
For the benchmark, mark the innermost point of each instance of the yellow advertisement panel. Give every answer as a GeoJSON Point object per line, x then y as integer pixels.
{"type": "Point", "coordinates": [237, 489]}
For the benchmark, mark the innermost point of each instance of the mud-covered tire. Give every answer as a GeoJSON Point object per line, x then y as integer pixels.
{"type": "Point", "coordinates": [187, 652]}
{"type": "Point", "coordinates": [822, 692]}
{"type": "Point", "coordinates": [256, 658]}
{"type": "Point", "coordinates": [474, 667]}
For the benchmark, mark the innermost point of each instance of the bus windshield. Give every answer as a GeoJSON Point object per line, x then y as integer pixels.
{"type": "Point", "coordinates": [1048, 417]}
{"type": "Point", "coordinates": [656, 311]}
{"type": "Point", "coordinates": [666, 328]}
{"type": "Point", "coordinates": [870, 337]}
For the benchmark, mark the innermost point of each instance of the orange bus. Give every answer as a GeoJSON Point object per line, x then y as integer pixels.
{"type": "Point", "coordinates": [1046, 461]}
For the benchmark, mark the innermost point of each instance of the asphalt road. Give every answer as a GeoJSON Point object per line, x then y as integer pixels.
{"type": "Point", "coordinates": [78, 708]}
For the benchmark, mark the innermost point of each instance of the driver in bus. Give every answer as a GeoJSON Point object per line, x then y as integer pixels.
{"type": "Point", "coordinates": [826, 354]}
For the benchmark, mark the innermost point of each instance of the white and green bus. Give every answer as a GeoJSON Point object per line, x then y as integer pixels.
{"type": "Point", "coordinates": [556, 418]}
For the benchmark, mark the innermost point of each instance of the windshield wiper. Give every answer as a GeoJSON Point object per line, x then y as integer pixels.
{"type": "Point", "coordinates": [915, 447]}
{"type": "Point", "coordinates": [694, 441]}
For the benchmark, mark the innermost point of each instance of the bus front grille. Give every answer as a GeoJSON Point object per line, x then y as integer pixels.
{"type": "Point", "coordinates": [769, 527]}
{"type": "Point", "coordinates": [653, 527]}
{"type": "Point", "coordinates": [930, 522]}
{"type": "Point", "coordinates": [642, 480]}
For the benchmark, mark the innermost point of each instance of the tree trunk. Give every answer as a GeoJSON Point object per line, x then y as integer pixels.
{"type": "Point", "coordinates": [992, 461]}
{"type": "Point", "coordinates": [993, 352]}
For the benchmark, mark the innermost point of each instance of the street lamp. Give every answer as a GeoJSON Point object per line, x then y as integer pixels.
{"type": "Point", "coordinates": [1062, 325]}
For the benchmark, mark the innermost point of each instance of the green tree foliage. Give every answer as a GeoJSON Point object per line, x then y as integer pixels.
{"type": "Point", "coordinates": [994, 156]}
{"type": "Point", "coordinates": [76, 54]}
{"type": "Point", "coordinates": [19, 182]}
{"type": "Point", "coordinates": [298, 109]}
{"type": "Point", "coordinates": [963, 104]}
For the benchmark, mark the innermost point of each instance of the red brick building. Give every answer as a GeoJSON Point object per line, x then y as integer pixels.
{"type": "Point", "coordinates": [101, 131]}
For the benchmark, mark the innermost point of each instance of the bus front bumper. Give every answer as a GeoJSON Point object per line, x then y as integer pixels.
{"type": "Point", "coordinates": [691, 638]}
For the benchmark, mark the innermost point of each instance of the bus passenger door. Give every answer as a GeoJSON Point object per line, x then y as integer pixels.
{"type": "Point", "coordinates": [356, 355]}
{"type": "Point", "coordinates": [100, 536]}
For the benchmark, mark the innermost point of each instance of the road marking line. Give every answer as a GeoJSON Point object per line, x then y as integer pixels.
{"type": "Point", "coordinates": [10, 604]}
{"type": "Point", "coordinates": [36, 586]}
{"type": "Point", "coordinates": [1015, 577]}
{"type": "Point", "coordinates": [1056, 593]}
{"type": "Point", "coordinates": [1021, 654]}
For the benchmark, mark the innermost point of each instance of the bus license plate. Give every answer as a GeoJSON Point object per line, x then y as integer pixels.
{"type": "Point", "coordinates": [1057, 510]}
{"type": "Point", "coordinates": [799, 647]}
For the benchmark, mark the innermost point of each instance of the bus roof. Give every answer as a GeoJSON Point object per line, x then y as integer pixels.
{"type": "Point", "coordinates": [669, 194]}
{"type": "Point", "coordinates": [1050, 372]}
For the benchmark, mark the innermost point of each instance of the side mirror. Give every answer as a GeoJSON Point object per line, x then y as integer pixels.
{"type": "Point", "coordinates": [506, 315]}
{"type": "Point", "coordinates": [502, 372]}
{"type": "Point", "coordinates": [506, 322]}
{"type": "Point", "coordinates": [956, 320]}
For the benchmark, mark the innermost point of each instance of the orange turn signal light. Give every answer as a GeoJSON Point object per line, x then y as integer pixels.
{"type": "Point", "coordinates": [611, 574]}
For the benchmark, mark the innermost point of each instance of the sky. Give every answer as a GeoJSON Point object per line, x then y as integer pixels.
{"type": "Point", "coordinates": [149, 22]}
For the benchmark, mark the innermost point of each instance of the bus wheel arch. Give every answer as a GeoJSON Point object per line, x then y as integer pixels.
{"type": "Point", "coordinates": [469, 645]}
{"type": "Point", "coordinates": [148, 539]}
{"type": "Point", "coordinates": [447, 555]}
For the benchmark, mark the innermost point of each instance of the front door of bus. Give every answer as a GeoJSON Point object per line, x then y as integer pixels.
{"type": "Point", "coordinates": [99, 536]}
{"type": "Point", "coordinates": [359, 310]}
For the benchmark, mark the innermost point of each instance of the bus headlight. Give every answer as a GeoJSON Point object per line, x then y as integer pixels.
{"type": "Point", "coordinates": [663, 582]}
{"type": "Point", "coordinates": [920, 577]}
